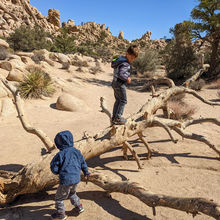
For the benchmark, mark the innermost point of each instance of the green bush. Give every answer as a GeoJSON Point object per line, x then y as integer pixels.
{"type": "Point", "coordinates": [180, 62]}
{"type": "Point", "coordinates": [146, 62]}
{"type": "Point", "coordinates": [28, 39]}
{"type": "Point", "coordinates": [37, 57]}
{"type": "Point", "coordinates": [64, 42]}
{"type": "Point", "coordinates": [180, 57]}
{"type": "Point", "coordinates": [36, 83]}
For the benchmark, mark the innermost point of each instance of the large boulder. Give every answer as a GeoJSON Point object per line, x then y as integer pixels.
{"type": "Point", "coordinates": [54, 17]}
{"type": "Point", "coordinates": [6, 65]}
{"type": "Point", "coordinates": [26, 54]}
{"type": "Point", "coordinates": [62, 58]}
{"type": "Point", "coordinates": [3, 43]}
{"type": "Point", "coordinates": [121, 35]}
{"type": "Point", "coordinates": [15, 75]}
{"type": "Point", "coordinates": [67, 102]}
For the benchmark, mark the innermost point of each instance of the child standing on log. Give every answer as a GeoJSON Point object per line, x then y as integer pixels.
{"type": "Point", "coordinates": [68, 163]}
{"type": "Point", "coordinates": [121, 77]}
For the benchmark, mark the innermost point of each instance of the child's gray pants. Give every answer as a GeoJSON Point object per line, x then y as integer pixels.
{"type": "Point", "coordinates": [64, 192]}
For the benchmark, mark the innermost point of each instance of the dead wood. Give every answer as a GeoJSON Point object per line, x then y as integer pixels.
{"type": "Point", "coordinates": [197, 75]}
{"type": "Point", "coordinates": [189, 205]}
{"type": "Point", "coordinates": [19, 107]}
{"type": "Point", "coordinates": [36, 176]}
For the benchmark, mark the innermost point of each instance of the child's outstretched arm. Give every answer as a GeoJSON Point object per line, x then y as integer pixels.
{"type": "Point", "coordinates": [55, 164]}
{"type": "Point", "coordinates": [84, 166]}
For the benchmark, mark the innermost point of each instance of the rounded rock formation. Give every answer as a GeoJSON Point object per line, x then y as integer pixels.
{"type": "Point", "coordinates": [67, 102]}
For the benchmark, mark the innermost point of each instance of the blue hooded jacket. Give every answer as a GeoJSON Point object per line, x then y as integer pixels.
{"type": "Point", "coordinates": [69, 161]}
{"type": "Point", "coordinates": [121, 68]}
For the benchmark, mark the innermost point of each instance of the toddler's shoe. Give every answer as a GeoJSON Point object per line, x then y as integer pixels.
{"type": "Point", "coordinates": [80, 208]}
{"type": "Point", "coordinates": [119, 121]}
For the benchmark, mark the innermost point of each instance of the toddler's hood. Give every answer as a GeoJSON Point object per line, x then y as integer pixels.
{"type": "Point", "coordinates": [64, 139]}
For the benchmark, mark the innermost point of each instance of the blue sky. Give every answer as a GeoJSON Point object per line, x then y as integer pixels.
{"type": "Point", "coordinates": [134, 18]}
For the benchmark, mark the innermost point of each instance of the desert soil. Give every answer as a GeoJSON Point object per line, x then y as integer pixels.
{"type": "Point", "coordinates": [185, 169]}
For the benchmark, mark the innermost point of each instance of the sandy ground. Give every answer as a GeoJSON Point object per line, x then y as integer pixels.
{"type": "Point", "coordinates": [185, 169]}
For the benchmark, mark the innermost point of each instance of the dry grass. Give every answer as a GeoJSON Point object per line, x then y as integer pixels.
{"type": "Point", "coordinates": [80, 63]}
{"type": "Point", "coordinates": [36, 84]}
{"type": "Point", "coordinates": [197, 85]}
{"type": "Point", "coordinates": [65, 65]}
{"type": "Point", "coordinates": [180, 110]}
{"type": "Point", "coordinates": [177, 98]}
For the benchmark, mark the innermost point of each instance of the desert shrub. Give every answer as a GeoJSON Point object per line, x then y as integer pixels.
{"type": "Point", "coordinates": [96, 69]}
{"type": "Point", "coordinates": [180, 62]}
{"type": "Point", "coordinates": [79, 69]}
{"type": "Point", "coordinates": [80, 63]}
{"type": "Point", "coordinates": [177, 97]}
{"type": "Point", "coordinates": [28, 39]}
{"type": "Point", "coordinates": [102, 36]}
{"type": "Point", "coordinates": [64, 42]}
{"type": "Point", "coordinates": [180, 110]}
{"type": "Point", "coordinates": [65, 65]}
{"type": "Point", "coordinates": [197, 85]}
{"type": "Point", "coordinates": [179, 55]}
{"type": "Point", "coordinates": [35, 84]}
{"type": "Point", "coordinates": [52, 56]}
{"type": "Point", "coordinates": [37, 57]}
{"type": "Point", "coordinates": [146, 62]}
{"type": "Point", "coordinates": [3, 53]}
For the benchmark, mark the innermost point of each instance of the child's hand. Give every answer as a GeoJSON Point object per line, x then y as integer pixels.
{"type": "Point", "coordinates": [129, 80]}
{"type": "Point", "coordinates": [87, 177]}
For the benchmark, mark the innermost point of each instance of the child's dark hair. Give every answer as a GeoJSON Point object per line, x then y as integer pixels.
{"type": "Point", "coordinates": [133, 50]}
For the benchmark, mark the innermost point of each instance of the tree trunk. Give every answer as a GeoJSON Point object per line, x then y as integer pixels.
{"type": "Point", "coordinates": [36, 176]}
{"type": "Point", "coordinates": [214, 57]}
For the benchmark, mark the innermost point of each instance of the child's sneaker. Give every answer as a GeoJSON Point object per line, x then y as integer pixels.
{"type": "Point", "coordinates": [58, 216]}
{"type": "Point", "coordinates": [80, 208]}
{"type": "Point", "coordinates": [119, 121]}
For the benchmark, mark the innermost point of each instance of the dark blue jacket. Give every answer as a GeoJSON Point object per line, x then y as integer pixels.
{"type": "Point", "coordinates": [69, 161]}
{"type": "Point", "coordinates": [121, 68]}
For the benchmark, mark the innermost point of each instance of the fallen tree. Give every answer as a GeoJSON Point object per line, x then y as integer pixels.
{"type": "Point", "coordinates": [36, 176]}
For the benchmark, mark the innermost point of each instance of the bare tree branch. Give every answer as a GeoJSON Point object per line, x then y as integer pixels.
{"type": "Point", "coordinates": [19, 106]}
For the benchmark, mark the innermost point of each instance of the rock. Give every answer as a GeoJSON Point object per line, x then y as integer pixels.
{"type": "Point", "coordinates": [3, 43]}
{"type": "Point", "coordinates": [18, 64]}
{"type": "Point", "coordinates": [44, 52]}
{"type": "Point", "coordinates": [27, 60]}
{"type": "Point", "coordinates": [121, 35]}
{"type": "Point", "coordinates": [102, 27]}
{"type": "Point", "coordinates": [26, 54]}
{"type": "Point", "coordinates": [70, 22]}
{"type": "Point", "coordinates": [15, 75]}
{"type": "Point", "coordinates": [146, 36]}
{"type": "Point", "coordinates": [54, 17]}
{"type": "Point", "coordinates": [62, 58]}
{"type": "Point", "coordinates": [67, 102]}
{"type": "Point", "coordinates": [13, 56]}
{"type": "Point", "coordinates": [64, 24]}
{"type": "Point", "coordinates": [6, 65]}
